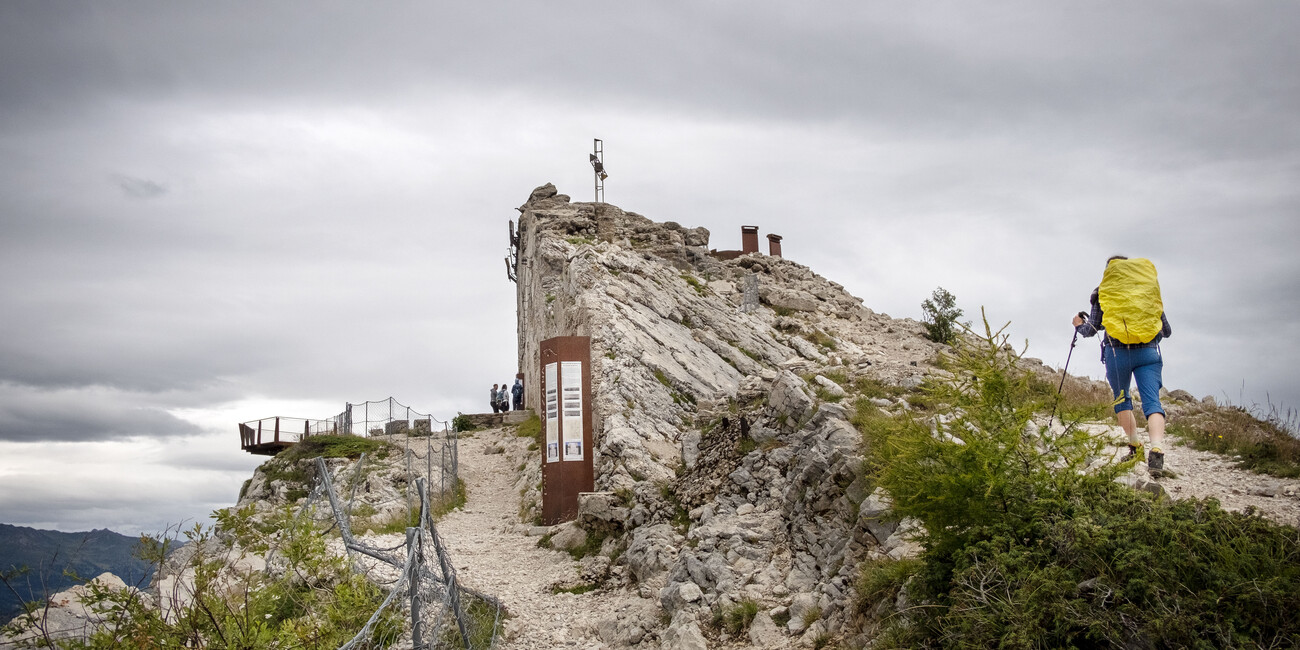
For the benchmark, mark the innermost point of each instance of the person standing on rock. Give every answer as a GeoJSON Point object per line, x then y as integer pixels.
{"type": "Point", "coordinates": [495, 400]}
{"type": "Point", "coordinates": [518, 391]}
{"type": "Point", "coordinates": [505, 398]}
{"type": "Point", "coordinates": [1126, 306]}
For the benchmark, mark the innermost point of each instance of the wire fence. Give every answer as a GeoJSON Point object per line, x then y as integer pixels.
{"type": "Point", "coordinates": [370, 418]}
{"type": "Point", "coordinates": [442, 613]}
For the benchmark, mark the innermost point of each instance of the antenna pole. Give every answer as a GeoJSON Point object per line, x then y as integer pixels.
{"type": "Point", "coordinates": [598, 167]}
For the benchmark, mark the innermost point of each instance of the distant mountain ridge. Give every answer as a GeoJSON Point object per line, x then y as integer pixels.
{"type": "Point", "coordinates": [49, 555]}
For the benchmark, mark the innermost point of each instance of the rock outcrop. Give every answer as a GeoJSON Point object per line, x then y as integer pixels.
{"type": "Point", "coordinates": [724, 426]}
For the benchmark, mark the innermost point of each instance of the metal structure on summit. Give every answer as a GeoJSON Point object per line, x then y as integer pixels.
{"type": "Point", "coordinates": [597, 159]}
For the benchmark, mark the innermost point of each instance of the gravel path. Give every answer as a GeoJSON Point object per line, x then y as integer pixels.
{"type": "Point", "coordinates": [493, 554]}
{"type": "Point", "coordinates": [1201, 474]}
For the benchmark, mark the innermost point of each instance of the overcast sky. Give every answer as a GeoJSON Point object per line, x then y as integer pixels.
{"type": "Point", "coordinates": [215, 212]}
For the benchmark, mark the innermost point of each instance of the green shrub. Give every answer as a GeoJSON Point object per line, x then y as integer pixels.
{"type": "Point", "coordinates": [461, 423]}
{"type": "Point", "coordinates": [940, 314]}
{"type": "Point", "coordinates": [1024, 549]}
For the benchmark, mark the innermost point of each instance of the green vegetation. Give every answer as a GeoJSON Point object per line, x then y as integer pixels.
{"type": "Point", "coordinates": [811, 616]}
{"type": "Point", "coordinates": [751, 355]}
{"type": "Point", "coordinates": [871, 387]}
{"type": "Point", "coordinates": [290, 465]}
{"type": "Point", "coordinates": [737, 618]}
{"type": "Point", "coordinates": [746, 445]}
{"type": "Point", "coordinates": [940, 314]}
{"type": "Point", "coordinates": [454, 499]}
{"type": "Point", "coordinates": [316, 602]}
{"type": "Point", "coordinates": [882, 579]}
{"type": "Point", "coordinates": [462, 423]}
{"type": "Point", "coordinates": [820, 338]}
{"type": "Point", "coordinates": [1263, 446]}
{"type": "Point", "coordinates": [332, 446]}
{"type": "Point", "coordinates": [481, 621]}
{"type": "Point", "coordinates": [678, 397]}
{"type": "Point", "coordinates": [580, 241]}
{"type": "Point", "coordinates": [530, 428]}
{"type": "Point", "coordinates": [1024, 549]}
{"type": "Point", "coordinates": [698, 286]}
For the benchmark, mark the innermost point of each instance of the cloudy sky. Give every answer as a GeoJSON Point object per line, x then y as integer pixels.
{"type": "Point", "coordinates": [214, 212]}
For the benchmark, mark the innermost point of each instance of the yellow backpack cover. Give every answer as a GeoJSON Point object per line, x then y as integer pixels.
{"type": "Point", "coordinates": [1130, 301]}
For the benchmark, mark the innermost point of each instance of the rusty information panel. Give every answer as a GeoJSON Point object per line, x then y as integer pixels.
{"type": "Point", "coordinates": [567, 461]}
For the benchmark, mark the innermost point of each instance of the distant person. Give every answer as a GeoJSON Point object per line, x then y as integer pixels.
{"type": "Point", "coordinates": [1127, 307]}
{"type": "Point", "coordinates": [505, 398]}
{"type": "Point", "coordinates": [495, 400]}
{"type": "Point", "coordinates": [518, 391]}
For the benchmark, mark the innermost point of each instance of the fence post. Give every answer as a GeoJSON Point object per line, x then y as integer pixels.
{"type": "Point", "coordinates": [414, 545]}
{"type": "Point", "coordinates": [277, 428]}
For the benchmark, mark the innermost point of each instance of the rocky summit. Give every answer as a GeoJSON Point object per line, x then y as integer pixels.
{"type": "Point", "coordinates": [729, 416]}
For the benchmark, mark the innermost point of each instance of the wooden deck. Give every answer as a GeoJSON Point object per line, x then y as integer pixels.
{"type": "Point", "coordinates": [260, 442]}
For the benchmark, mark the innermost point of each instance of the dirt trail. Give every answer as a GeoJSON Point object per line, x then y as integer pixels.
{"type": "Point", "coordinates": [493, 554]}
{"type": "Point", "coordinates": [1204, 474]}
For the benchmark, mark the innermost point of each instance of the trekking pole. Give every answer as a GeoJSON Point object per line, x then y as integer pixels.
{"type": "Point", "coordinates": [1073, 342]}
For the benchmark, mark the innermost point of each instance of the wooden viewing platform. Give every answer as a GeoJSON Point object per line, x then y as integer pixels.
{"type": "Point", "coordinates": [268, 443]}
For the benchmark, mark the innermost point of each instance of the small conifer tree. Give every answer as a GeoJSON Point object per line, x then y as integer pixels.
{"type": "Point", "coordinates": [940, 316]}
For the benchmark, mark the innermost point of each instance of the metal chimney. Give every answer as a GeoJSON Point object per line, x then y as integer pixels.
{"type": "Point", "coordinates": [748, 239]}
{"type": "Point", "coordinates": [774, 245]}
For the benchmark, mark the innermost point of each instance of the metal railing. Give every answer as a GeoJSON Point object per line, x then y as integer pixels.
{"type": "Point", "coordinates": [381, 417]}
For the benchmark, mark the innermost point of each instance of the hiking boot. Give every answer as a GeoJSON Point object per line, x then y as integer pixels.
{"type": "Point", "coordinates": [1134, 451]}
{"type": "Point", "coordinates": [1156, 463]}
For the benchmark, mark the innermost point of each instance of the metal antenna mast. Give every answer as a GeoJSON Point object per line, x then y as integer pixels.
{"type": "Point", "coordinates": [597, 159]}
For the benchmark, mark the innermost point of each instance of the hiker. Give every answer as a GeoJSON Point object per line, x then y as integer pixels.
{"type": "Point", "coordinates": [1127, 307]}
{"type": "Point", "coordinates": [505, 398]}
{"type": "Point", "coordinates": [518, 391]}
{"type": "Point", "coordinates": [495, 400]}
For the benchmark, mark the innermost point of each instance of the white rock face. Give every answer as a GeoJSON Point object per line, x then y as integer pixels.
{"type": "Point", "coordinates": [719, 422]}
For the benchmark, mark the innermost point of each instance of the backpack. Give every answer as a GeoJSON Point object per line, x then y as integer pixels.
{"type": "Point", "coordinates": [1129, 296]}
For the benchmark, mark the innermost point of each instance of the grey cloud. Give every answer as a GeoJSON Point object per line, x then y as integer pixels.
{"type": "Point", "coordinates": [139, 188]}
{"type": "Point", "coordinates": [1159, 70]}
{"type": "Point", "coordinates": [30, 415]}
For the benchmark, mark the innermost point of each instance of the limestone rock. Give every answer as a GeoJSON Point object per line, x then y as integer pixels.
{"type": "Point", "coordinates": [568, 536]}
{"type": "Point", "coordinates": [763, 633]}
{"type": "Point", "coordinates": [651, 551]}
{"type": "Point", "coordinates": [683, 633]}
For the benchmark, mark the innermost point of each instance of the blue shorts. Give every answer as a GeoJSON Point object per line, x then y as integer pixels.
{"type": "Point", "coordinates": [1141, 364]}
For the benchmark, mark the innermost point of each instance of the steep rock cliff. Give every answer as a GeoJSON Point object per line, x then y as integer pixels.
{"type": "Point", "coordinates": [716, 418]}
